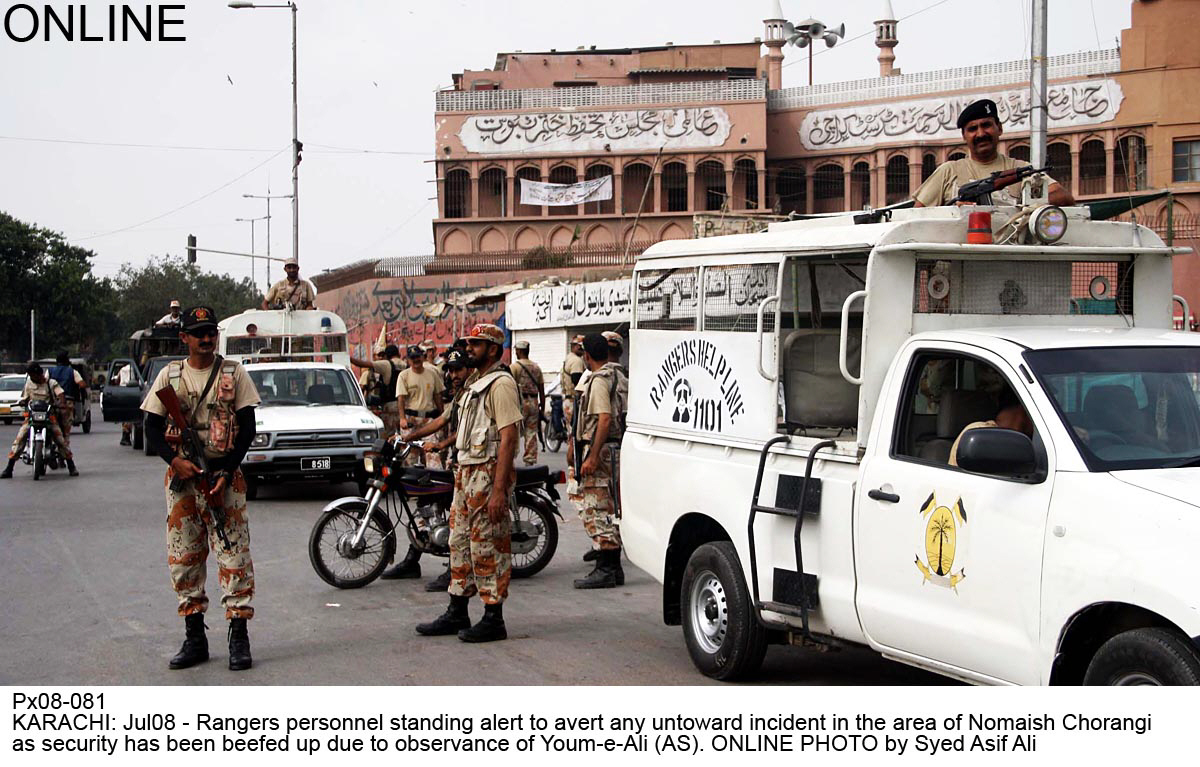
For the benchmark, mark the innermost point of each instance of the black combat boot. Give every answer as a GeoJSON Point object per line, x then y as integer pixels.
{"type": "Point", "coordinates": [452, 621]}
{"type": "Point", "coordinates": [195, 643]}
{"type": "Point", "coordinates": [608, 562]}
{"type": "Point", "coordinates": [71, 467]}
{"type": "Point", "coordinates": [239, 645]}
{"type": "Point", "coordinates": [440, 583]}
{"type": "Point", "coordinates": [409, 567]}
{"type": "Point", "coordinates": [590, 556]}
{"type": "Point", "coordinates": [7, 473]}
{"type": "Point", "coordinates": [125, 439]}
{"type": "Point", "coordinates": [490, 627]}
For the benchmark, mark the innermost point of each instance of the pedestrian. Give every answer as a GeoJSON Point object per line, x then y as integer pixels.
{"type": "Point", "coordinates": [218, 399]}
{"type": "Point", "coordinates": [533, 399]}
{"type": "Point", "coordinates": [40, 388]}
{"type": "Point", "coordinates": [481, 516]}
{"type": "Point", "coordinates": [592, 453]}
{"type": "Point", "coordinates": [291, 292]}
{"type": "Point", "coordinates": [387, 367]}
{"type": "Point", "coordinates": [73, 386]}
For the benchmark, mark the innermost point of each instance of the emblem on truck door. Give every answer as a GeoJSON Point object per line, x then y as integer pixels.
{"type": "Point", "coordinates": [942, 524]}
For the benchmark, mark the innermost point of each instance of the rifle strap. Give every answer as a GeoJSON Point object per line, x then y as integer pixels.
{"type": "Point", "coordinates": [218, 361]}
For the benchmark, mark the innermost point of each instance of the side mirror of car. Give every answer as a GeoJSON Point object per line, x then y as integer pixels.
{"type": "Point", "coordinates": [997, 451]}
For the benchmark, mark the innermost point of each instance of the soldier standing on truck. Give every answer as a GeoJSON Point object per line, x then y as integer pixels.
{"type": "Point", "coordinates": [597, 432]}
{"type": "Point", "coordinates": [980, 126]}
{"type": "Point", "coordinates": [291, 292]}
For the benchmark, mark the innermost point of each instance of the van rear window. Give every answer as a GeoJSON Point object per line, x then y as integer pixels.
{"type": "Point", "coordinates": [667, 299]}
{"type": "Point", "coordinates": [732, 295]}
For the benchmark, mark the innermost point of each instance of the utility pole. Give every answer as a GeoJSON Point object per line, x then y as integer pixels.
{"type": "Point", "coordinates": [1037, 87]}
{"type": "Point", "coordinates": [32, 335]}
{"type": "Point", "coordinates": [268, 197]}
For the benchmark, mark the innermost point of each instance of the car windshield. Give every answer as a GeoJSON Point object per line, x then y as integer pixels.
{"type": "Point", "coordinates": [12, 384]}
{"type": "Point", "coordinates": [310, 387]}
{"type": "Point", "coordinates": [1126, 408]}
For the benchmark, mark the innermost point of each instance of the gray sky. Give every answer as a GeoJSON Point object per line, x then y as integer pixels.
{"type": "Point", "coordinates": [368, 72]}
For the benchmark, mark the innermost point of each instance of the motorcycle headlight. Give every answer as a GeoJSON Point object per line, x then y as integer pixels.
{"type": "Point", "coordinates": [369, 463]}
{"type": "Point", "coordinates": [367, 436]}
{"type": "Point", "coordinates": [40, 415]}
{"type": "Point", "coordinates": [261, 440]}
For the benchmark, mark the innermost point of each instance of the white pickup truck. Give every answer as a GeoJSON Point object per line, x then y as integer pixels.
{"type": "Point", "coordinates": [842, 363]}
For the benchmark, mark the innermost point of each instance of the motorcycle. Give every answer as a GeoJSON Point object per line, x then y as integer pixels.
{"type": "Point", "coordinates": [556, 424]}
{"type": "Point", "coordinates": [355, 539]}
{"type": "Point", "coordinates": [41, 451]}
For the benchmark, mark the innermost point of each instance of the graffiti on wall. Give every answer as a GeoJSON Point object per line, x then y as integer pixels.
{"type": "Point", "coordinates": [597, 131]}
{"type": "Point", "coordinates": [1069, 105]}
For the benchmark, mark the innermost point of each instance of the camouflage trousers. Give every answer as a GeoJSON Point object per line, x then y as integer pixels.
{"type": "Point", "coordinates": [66, 419]}
{"type": "Point", "coordinates": [391, 419]}
{"type": "Point", "coordinates": [529, 427]}
{"type": "Point", "coordinates": [190, 535]}
{"type": "Point", "coordinates": [480, 551]}
{"type": "Point", "coordinates": [416, 456]}
{"type": "Point", "coordinates": [55, 433]}
{"type": "Point", "coordinates": [595, 505]}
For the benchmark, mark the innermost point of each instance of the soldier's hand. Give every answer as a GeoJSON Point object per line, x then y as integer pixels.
{"type": "Point", "coordinates": [183, 468]}
{"type": "Point", "coordinates": [590, 464]}
{"type": "Point", "coordinates": [497, 506]}
{"type": "Point", "coordinates": [218, 488]}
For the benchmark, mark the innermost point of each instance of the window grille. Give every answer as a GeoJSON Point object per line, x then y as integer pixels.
{"type": "Point", "coordinates": [1056, 288]}
{"type": "Point", "coordinates": [667, 299]}
{"type": "Point", "coordinates": [1129, 164]}
{"type": "Point", "coordinates": [896, 183]}
{"type": "Point", "coordinates": [828, 189]}
{"type": "Point", "coordinates": [1093, 170]}
{"type": "Point", "coordinates": [1058, 159]}
{"type": "Point", "coordinates": [713, 91]}
{"type": "Point", "coordinates": [732, 295]}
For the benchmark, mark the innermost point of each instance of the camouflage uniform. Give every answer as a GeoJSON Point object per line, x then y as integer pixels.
{"type": "Point", "coordinates": [190, 535]}
{"type": "Point", "coordinates": [480, 552]}
{"type": "Point", "coordinates": [592, 495]}
{"type": "Point", "coordinates": [48, 391]}
{"type": "Point", "coordinates": [529, 382]}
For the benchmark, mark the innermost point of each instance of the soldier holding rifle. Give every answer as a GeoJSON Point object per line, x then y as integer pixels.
{"type": "Point", "coordinates": [200, 421]}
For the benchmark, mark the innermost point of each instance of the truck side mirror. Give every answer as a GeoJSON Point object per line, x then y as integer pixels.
{"type": "Point", "coordinates": [997, 451]}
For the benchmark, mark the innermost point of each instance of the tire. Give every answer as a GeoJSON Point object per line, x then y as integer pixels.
{"type": "Point", "coordinates": [720, 626]}
{"type": "Point", "coordinates": [553, 442]}
{"type": "Point", "coordinates": [139, 437]}
{"type": "Point", "coordinates": [39, 461]}
{"type": "Point", "coordinates": [535, 535]}
{"type": "Point", "coordinates": [343, 569]}
{"type": "Point", "coordinates": [8, 422]}
{"type": "Point", "coordinates": [87, 423]}
{"type": "Point", "coordinates": [1151, 656]}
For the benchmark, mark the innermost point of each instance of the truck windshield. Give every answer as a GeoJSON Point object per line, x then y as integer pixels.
{"type": "Point", "coordinates": [308, 387]}
{"type": "Point", "coordinates": [1126, 408]}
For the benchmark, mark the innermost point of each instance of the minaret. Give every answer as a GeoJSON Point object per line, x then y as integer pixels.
{"type": "Point", "coordinates": [774, 41]}
{"type": "Point", "coordinates": [885, 38]}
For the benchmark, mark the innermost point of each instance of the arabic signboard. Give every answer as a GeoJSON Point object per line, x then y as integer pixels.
{"type": "Point", "coordinates": [1088, 102]}
{"type": "Point", "coordinates": [689, 128]}
{"type": "Point", "coordinates": [553, 306]}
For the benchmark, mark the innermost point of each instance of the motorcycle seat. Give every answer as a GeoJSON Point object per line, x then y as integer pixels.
{"type": "Point", "coordinates": [532, 475]}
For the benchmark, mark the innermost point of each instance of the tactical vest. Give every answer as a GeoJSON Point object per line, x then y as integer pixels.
{"type": "Point", "coordinates": [221, 431]}
{"type": "Point", "coordinates": [478, 441]}
{"type": "Point", "coordinates": [65, 375]}
{"type": "Point", "coordinates": [387, 391]}
{"type": "Point", "coordinates": [618, 397]}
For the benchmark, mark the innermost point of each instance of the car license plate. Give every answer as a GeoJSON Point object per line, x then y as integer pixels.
{"type": "Point", "coordinates": [316, 464]}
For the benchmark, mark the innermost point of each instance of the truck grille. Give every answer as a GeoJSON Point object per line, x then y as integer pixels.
{"type": "Point", "coordinates": [315, 439]}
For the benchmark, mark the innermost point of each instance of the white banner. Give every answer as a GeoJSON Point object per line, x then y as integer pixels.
{"type": "Point", "coordinates": [537, 193]}
{"type": "Point", "coordinates": [684, 128]}
{"type": "Point", "coordinates": [1087, 102]}
{"type": "Point", "coordinates": [556, 306]}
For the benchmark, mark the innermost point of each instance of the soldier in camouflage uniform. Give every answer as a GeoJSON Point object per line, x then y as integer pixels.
{"type": "Point", "coordinates": [218, 399]}
{"type": "Point", "coordinates": [533, 399]}
{"type": "Point", "coordinates": [572, 370]}
{"type": "Point", "coordinates": [600, 400]}
{"type": "Point", "coordinates": [40, 388]}
{"type": "Point", "coordinates": [481, 521]}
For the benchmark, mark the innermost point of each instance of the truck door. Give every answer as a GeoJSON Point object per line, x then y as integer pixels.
{"type": "Point", "coordinates": [122, 403]}
{"type": "Point", "coordinates": [949, 561]}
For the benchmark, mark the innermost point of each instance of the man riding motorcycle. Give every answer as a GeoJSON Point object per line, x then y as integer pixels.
{"type": "Point", "coordinates": [39, 388]}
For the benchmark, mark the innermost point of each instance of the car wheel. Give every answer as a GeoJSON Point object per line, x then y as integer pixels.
{"type": "Point", "coordinates": [720, 626]}
{"type": "Point", "coordinates": [1150, 656]}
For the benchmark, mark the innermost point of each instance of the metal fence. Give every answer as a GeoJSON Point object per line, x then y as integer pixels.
{"type": "Point", "coordinates": [540, 259]}
{"type": "Point", "coordinates": [710, 91]}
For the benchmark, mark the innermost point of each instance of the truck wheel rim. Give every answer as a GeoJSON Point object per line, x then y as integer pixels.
{"type": "Point", "coordinates": [709, 612]}
{"type": "Point", "coordinates": [1136, 679]}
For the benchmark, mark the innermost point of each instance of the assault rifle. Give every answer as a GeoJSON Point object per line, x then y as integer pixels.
{"type": "Point", "coordinates": [192, 449]}
{"type": "Point", "coordinates": [980, 192]}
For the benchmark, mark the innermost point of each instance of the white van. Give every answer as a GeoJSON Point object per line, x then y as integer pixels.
{"type": "Point", "coordinates": [840, 362]}
{"type": "Point", "coordinates": [284, 335]}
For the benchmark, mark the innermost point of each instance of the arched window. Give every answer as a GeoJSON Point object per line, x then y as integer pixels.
{"type": "Point", "coordinates": [458, 194]}
{"type": "Point", "coordinates": [493, 193]}
{"type": "Point", "coordinates": [528, 173]}
{"type": "Point", "coordinates": [710, 186]}
{"type": "Point", "coordinates": [896, 183]}
{"type": "Point", "coordinates": [928, 166]}
{"type": "Point", "coordinates": [829, 189]}
{"type": "Point", "coordinates": [1129, 164]}
{"type": "Point", "coordinates": [599, 170]}
{"type": "Point", "coordinates": [1020, 153]}
{"type": "Point", "coordinates": [956, 156]}
{"type": "Point", "coordinates": [1058, 160]}
{"type": "Point", "coordinates": [1093, 170]}
{"type": "Point", "coordinates": [745, 185]}
{"type": "Point", "coordinates": [674, 187]}
{"type": "Point", "coordinates": [791, 191]}
{"type": "Point", "coordinates": [564, 174]}
{"type": "Point", "coordinates": [860, 186]}
{"type": "Point", "coordinates": [634, 180]}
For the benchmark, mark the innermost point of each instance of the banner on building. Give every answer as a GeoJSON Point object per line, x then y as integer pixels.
{"type": "Point", "coordinates": [537, 193]}
{"type": "Point", "coordinates": [1087, 102]}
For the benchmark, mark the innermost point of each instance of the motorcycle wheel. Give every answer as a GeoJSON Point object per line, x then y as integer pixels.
{"type": "Point", "coordinates": [553, 441]}
{"type": "Point", "coordinates": [39, 462]}
{"type": "Point", "coordinates": [534, 535]}
{"type": "Point", "coordinates": [336, 562]}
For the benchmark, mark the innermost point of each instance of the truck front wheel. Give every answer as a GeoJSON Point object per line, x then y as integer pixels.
{"type": "Point", "coordinates": [722, 632]}
{"type": "Point", "coordinates": [1150, 656]}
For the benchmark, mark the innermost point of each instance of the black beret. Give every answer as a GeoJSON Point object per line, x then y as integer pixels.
{"type": "Point", "coordinates": [976, 110]}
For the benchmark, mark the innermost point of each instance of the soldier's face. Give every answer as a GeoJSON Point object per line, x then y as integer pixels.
{"type": "Point", "coordinates": [982, 137]}
{"type": "Point", "coordinates": [292, 272]}
{"type": "Point", "coordinates": [204, 343]}
{"type": "Point", "coordinates": [459, 375]}
{"type": "Point", "coordinates": [478, 352]}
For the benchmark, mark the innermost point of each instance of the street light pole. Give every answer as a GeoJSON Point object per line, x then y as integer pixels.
{"type": "Point", "coordinates": [240, 4]}
{"type": "Point", "coordinates": [268, 197]}
{"type": "Point", "coordinates": [252, 221]}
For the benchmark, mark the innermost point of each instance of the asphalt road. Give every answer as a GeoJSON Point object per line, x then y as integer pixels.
{"type": "Point", "coordinates": [87, 600]}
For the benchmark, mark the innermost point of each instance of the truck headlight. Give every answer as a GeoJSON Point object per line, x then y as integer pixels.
{"type": "Point", "coordinates": [367, 436]}
{"type": "Point", "coordinates": [1048, 224]}
{"type": "Point", "coordinates": [261, 440]}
